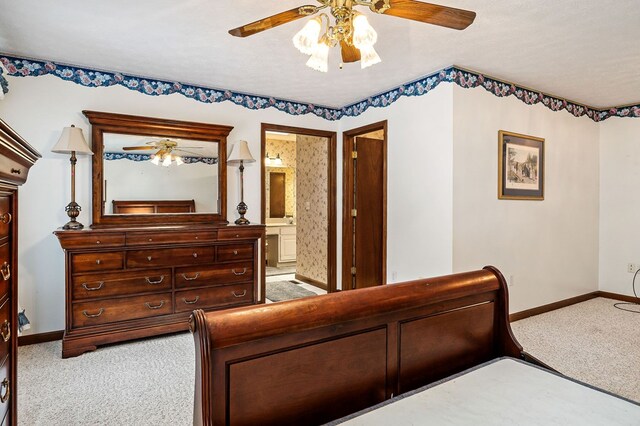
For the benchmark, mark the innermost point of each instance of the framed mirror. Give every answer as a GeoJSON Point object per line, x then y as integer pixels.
{"type": "Point", "coordinates": [152, 171]}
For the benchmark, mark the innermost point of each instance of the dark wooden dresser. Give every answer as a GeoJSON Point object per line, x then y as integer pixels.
{"type": "Point", "coordinates": [127, 283]}
{"type": "Point", "coordinates": [16, 157]}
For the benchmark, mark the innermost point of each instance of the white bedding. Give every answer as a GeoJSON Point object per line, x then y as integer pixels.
{"type": "Point", "coordinates": [506, 391]}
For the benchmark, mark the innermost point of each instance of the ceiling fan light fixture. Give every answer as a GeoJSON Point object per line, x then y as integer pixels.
{"type": "Point", "coordinates": [167, 160]}
{"type": "Point", "coordinates": [179, 161]}
{"type": "Point", "coordinates": [155, 160]}
{"type": "Point", "coordinates": [363, 32]}
{"type": "Point", "coordinates": [368, 56]}
{"type": "Point", "coordinates": [306, 40]}
{"type": "Point", "coordinates": [319, 59]}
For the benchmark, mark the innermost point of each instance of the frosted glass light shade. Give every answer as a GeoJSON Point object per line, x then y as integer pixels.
{"type": "Point", "coordinates": [179, 161]}
{"type": "Point", "coordinates": [306, 39]}
{"type": "Point", "coordinates": [319, 60]}
{"type": "Point", "coordinates": [368, 57]}
{"type": "Point", "coordinates": [363, 33]}
{"type": "Point", "coordinates": [155, 160]}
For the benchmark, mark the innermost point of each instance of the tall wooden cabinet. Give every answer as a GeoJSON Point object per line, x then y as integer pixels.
{"type": "Point", "coordinates": [16, 158]}
{"type": "Point", "coordinates": [125, 283]}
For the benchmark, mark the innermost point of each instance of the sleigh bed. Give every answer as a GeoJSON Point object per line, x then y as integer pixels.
{"type": "Point", "coordinates": [318, 359]}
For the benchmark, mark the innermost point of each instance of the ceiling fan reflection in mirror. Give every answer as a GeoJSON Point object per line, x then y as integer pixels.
{"type": "Point", "coordinates": [166, 153]}
{"type": "Point", "coordinates": [350, 28]}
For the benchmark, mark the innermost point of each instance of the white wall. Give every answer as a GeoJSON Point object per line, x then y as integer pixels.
{"type": "Point", "coordinates": [38, 109]}
{"type": "Point", "coordinates": [419, 183]}
{"type": "Point", "coordinates": [547, 249]}
{"type": "Point", "coordinates": [619, 203]}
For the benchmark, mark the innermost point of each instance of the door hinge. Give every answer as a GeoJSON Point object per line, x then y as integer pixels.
{"type": "Point", "coordinates": [353, 270]}
{"type": "Point", "coordinates": [354, 154]}
{"type": "Point", "coordinates": [354, 212]}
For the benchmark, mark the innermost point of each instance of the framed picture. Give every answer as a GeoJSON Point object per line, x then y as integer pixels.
{"type": "Point", "coordinates": [520, 166]}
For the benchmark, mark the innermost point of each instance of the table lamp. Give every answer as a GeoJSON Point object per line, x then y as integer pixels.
{"type": "Point", "coordinates": [239, 155]}
{"type": "Point", "coordinates": [72, 141]}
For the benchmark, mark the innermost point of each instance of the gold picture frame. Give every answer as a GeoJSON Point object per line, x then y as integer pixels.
{"type": "Point", "coordinates": [520, 166]}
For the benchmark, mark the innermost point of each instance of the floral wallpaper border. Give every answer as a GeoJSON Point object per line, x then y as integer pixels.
{"type": "Point", "coordinates": [20, 67]}
{"type": "Point", "coordinates": [110, 156]}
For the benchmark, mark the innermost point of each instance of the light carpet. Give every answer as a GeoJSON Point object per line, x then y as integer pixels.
{"type": "Point", "coordinates": [591, 341]}
{"type": "Point", "coordinates": [278, 291]}
{"type": "Point", "coordinates": [147, 382]}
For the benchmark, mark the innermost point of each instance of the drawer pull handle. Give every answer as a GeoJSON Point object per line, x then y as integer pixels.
{"type": "Point", "coordinates": [191, 302]}
{"type": "Point", "coordinates": [5, 331]}
{"type": "Point", "coordinates": [154, 282]}
{"type": "Point", "coordinates": [86, 287]}
{"type": "Point", "coordinates": [244, 293]}
{"type": "Point", "coordinates": [149, 258]}
{"type": "Point", "coordinates": [6, 271]}
{"type": "Point", "coordinates": [244, 270]}
{"type": "Point", "coordinates": [235, 252]}
{"type": "Point", "coordinates": [5, 384]}
{"type": "Point", "coordinates": [98, 262]}
{"type": "Point", "coordinates": [237, 235]}
{"type": "Point", "coordinates": [150, 239]}
{"type": "Point", "coordinates": [195, 255]}
{"type": "Point", "coordinates": [196, 237]}
{"type": "Point", "coordinates": [15, 171]}
{"type": "Point", "coordinates": [6, 218]}
{"type": "Point", "coordinates": [97, 241]}
{"type": "Point", "coordinates": [186, 278]}
{"type": "Point", "coordinates": [150, 306]}
{"type": "Point", "coordinates": [88, 315]}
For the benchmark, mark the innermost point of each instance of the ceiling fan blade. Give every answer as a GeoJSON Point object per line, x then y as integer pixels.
{"type": "Point", "coordinates": [444, 16]}
{"type": "Point", "coordinates": [273, 21]}
{"type": "Point", "coordinates": [349, 52]}
{"type": "Point", "coordinates": [186, 151]}
{"type": "Point", "coordinates": [138, 148]}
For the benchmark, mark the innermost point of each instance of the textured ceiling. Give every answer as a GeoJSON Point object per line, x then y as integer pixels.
{"type": "Point", "coordinates": [586, 51]}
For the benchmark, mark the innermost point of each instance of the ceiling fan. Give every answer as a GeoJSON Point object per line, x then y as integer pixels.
{"type": "Point", "coordinates": [351, 29]}
{"type": "Point", "coordinates": [165, 147]}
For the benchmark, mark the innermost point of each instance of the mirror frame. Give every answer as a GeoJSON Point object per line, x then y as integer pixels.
{"type": "Point", "coordinates": [105, 122]}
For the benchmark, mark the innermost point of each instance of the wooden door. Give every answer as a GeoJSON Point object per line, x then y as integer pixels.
{"type": "Point", "coordinates": [364, 249]}
{"type": "Point", "coordinates": [277, 194]}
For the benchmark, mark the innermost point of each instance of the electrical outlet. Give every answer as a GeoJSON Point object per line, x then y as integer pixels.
{"type": "Point", "coordinates": [511, 281]}
{"type": "Point", "coordinates": [394, 276]}
{"type": "Point", "coordinates": [631, 268]}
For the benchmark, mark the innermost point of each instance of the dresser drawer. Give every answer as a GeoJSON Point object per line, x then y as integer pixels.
{"type": "Point", "coordinates": [6, 268]}
{"type": "Point", "coordinates": [169, 257]}
{"type": "Point", "coordinates": [235, 232]}
{"type": "Point", "coordinates": [5, 385]}
{"type": "Point", "coordinates": [92, 262]}
{"type": "Point", "coordinates": [214, 297]}
{"type": "Point", "coordinates": [5, 328]}
{"type": "Point", "coordinates": [234, 252]}
{"type": "Point", "coordinates": [147, 238]}
{"type": "Point", "coordinates": [118, 310]}
{"type": "Point", "coordinates": [5, 216]}
{"type": "Point", "coordinates": [214, 275]}
{"type": "Point", "coordinates": [81, 240]}
{"type": "Point", "coordinates": [120, 283]}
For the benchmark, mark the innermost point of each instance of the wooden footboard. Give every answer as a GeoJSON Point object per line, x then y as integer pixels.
{"type": "Point", "coordinates": [313, 360]}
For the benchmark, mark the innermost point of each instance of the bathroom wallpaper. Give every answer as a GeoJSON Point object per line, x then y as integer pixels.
{"type": "Point", "coordinates": [311, 205]}
{"type": "Point", "coordinates": [287, 151]}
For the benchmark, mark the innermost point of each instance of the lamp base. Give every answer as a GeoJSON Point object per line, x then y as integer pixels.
{"type": "Point", "coordinates": [73, 211]}
{"type": "Point", "coordinates": [73, 225]}
{"type": "Point", "coordinates": [242, 209]}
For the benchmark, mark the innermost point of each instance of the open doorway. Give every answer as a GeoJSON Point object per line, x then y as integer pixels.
{"type": "Point", "coordinates": [298, 209]}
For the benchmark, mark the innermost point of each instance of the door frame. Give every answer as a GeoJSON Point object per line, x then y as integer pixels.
{"type": "Point", "coordinates": [331, 197]}
{"type": "Point", "coordinates": [347, 202]}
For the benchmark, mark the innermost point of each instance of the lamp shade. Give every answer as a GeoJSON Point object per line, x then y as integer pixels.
{"type": "Point", "coordinates": [240, 152]}
{"type": "Point", "coordinates": [72, 140]}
